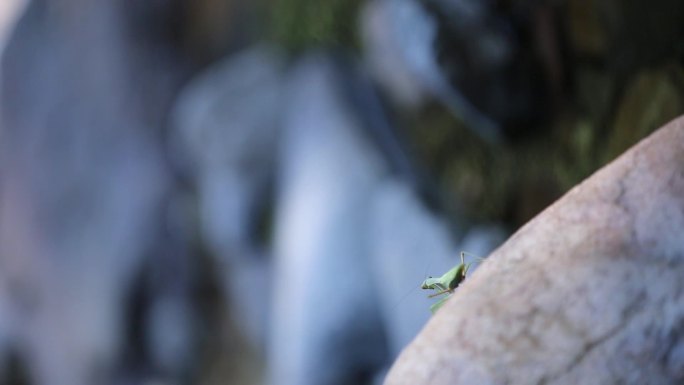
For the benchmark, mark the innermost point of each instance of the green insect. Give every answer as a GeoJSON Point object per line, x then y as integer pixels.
{"type": "Point", "coordinates": [447, 283]}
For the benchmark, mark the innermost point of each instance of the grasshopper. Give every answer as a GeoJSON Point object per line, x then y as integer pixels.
{"type": "Point", "coordinates": [447, 283]}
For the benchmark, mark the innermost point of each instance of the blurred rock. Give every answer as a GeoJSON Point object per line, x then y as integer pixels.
{"type": "Point", "coordinates": [327, 327]}
{"type": "Point", "coordinates": [226, 129]}
{"type": "Point", "coordinates": [84, 184]}
{"type": "Point", "coordinates": [169, 335]}
{"type": "Point", "coordinates": [5, 331]}
{"type": "Point", "coordinates": [498, 68]}
{"type": "Point", "coordinates": [414, 32]}
{"type": "Point", "coordinates": [589, 291]}
{"type": "Point", "coordinates": [501, 59]}
{"type": "Point", "coordinates": [9, 12]}
{"type": "Point", "coordinates": [387, 48]}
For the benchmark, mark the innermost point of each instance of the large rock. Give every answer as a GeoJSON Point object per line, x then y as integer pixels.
{"type": "Point", "coordinates": [588, 292]}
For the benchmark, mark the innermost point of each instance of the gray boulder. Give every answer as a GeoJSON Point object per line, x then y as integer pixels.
{"type": "Point", "coordinates": [590, 291]}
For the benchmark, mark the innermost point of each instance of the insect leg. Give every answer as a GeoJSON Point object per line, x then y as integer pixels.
{"type": "Point", "coordinates": [440, 293]}
{"type": "Point", "coordinates": [435, 306]}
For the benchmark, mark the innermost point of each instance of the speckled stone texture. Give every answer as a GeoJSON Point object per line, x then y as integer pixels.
{"type": "Point", "coordinates": [590, 291]}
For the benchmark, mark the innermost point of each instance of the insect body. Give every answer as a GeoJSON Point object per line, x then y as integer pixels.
{"type": "Point", "coordinates": [447, 283]}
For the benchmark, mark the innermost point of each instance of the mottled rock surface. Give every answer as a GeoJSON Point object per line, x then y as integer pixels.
{"type": "Point", "coordinates": [590, 291]}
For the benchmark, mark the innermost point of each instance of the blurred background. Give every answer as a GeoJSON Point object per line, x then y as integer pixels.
{"type": "Point", "coordinates": [251, 192]}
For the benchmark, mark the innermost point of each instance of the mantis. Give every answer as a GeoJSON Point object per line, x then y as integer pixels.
{"type": "Point", "coordinates": [447, 283]}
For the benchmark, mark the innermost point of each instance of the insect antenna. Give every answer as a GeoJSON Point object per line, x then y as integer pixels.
{"type": "Point", "coordinates": [464, 253]}
{"type": "Point", "coordinates": [413, 288]}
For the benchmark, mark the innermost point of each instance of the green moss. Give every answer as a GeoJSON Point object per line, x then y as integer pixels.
{"type": "Point", "coordinates": [303, 24]}
{"type": "Point", "coordinates": [652, 99]}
